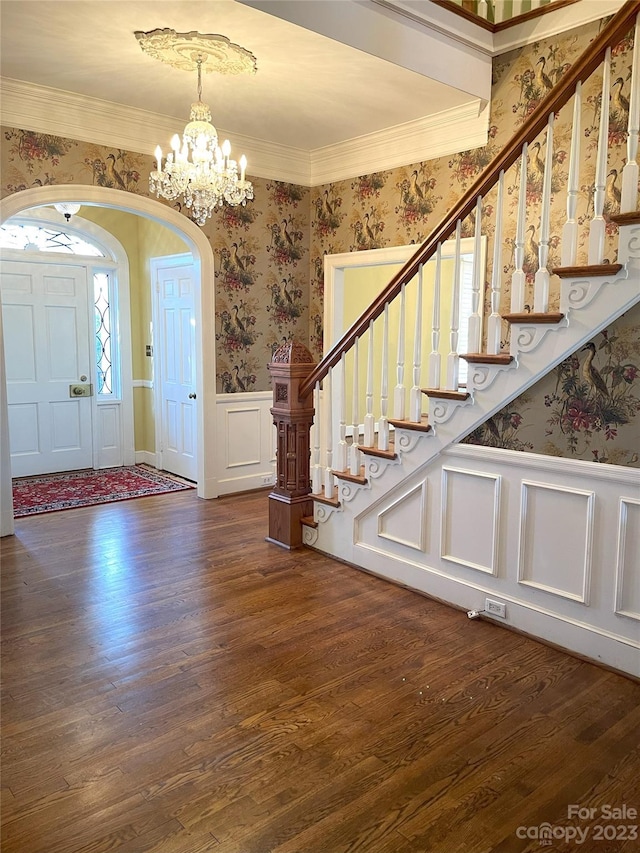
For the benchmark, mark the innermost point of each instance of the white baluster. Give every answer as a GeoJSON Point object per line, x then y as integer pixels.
{"type": "Point", "coordinates": [434, 356]}
{"type": "Point", "coordinates": [369, 420]}
{"type": "Point", "coordinates": [629, 193]}
{"type": "Point", "coordinates": [541, 283]}
{"type": "Point", "coordinates": [499, 9]}
{"type": "Point", "coordinates": [570, 228]}
{"type": "Point", "coordinates": [475, 320]}
{"type": "Point", "coordinates": [329, 479]}
{"type": "Point", "coordinates": [415, 398]}
{"type": "Point", "coordinates": [354, 454]}
{"type": "Point", "coordinates": [597, 226]}
{"type": "Point", "coordinates": [316, 471]}
{"type": "Point", "coordinates": [399, 391]}
{"type": "Point", "coordinates": [518, 278]}
{"type": "Point", "coordinates": [341, 451]}
{"type": "Point", "coordinates": [517, 8]}
{"type": "Point", "coordinates": [483, 9]}
{"type": "Point", "coordinates": [453, 359]}
{"type": "Point", "coordinates": [494, 329]}
{"type": "Point", "coordinates": [383, 423]}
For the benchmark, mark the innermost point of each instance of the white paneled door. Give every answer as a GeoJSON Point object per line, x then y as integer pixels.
{"type": "Point", "coordinates": [175, 360]}
{"type": "Point", "coordinates": [46, 332]}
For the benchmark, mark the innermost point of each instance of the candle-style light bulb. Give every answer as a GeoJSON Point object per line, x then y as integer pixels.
{"type": "Point", "coordinates": [243, 167]}
{"type": "Point", "coordinates": [158, 153]}
{"type": "Point", "coordinates": [175, 142]}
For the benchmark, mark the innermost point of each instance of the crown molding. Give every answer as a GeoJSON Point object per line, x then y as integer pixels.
{"type": "Point", "coordinates": [54, 111]}
{"type": "Point", "coordinates": [447, 132]}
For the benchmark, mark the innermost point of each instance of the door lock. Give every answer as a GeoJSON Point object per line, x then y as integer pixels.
{"type": "Point", "coordinates": [85, 390]}
{"type": "Point", "coordinates": [192, 396]}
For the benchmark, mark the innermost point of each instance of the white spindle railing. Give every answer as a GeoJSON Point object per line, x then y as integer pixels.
{"type": "Point", "coordinates": [629, 192]}
{"type": "Point", "coordinates": [329, 478]}
{"type": "Point", "coordinates": [415, 398]}
{"type": "Point", "coordinates": [597, 228]}
{"type": "Point", "coordinates": [542, 278]}
{"type": "Point", "coordinates": [434, 357]}
{"type": "Point", "coordinates": [383, 422]}
{"type": "Point", "coordinates": [399, 391]}
{"type": "Point", "coordinates": [569, 250]}
{"type": "Point", "coordinates": [475, 320]}
{"type": "Point", "coordinates": [369, 420]}
{"type": "Point", "coordinates": [354, 453]}
{"type": "Point", "coordinates": [341, 451]}
{"type": "Point", "coordinates": [494, 326]}
{"type": "Point", "coordinates": [453, 359]}
{"type": "Point", "coordinates": [316, 469]}
{"type": "Point", "coordinates": [518, 279]}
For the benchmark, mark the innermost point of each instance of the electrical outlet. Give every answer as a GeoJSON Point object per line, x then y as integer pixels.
{"type": "Point", "coordinates": [495, 608]}
{"type": "Point", "coordinates": [267, 479]}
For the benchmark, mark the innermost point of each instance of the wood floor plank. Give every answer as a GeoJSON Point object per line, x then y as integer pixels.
{"type": "Point", "coordinates": [172, 683]}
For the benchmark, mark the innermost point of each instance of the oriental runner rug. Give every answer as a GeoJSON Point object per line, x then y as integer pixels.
{"type": "Point", "coordinates": [53, 492]}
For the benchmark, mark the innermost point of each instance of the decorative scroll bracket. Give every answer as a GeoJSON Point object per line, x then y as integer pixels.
{"type": "Point", "coordinates": [290, 499]}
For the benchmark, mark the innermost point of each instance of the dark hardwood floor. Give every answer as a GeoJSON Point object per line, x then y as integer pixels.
{"type": "Point", "coordinates": [173, 683]}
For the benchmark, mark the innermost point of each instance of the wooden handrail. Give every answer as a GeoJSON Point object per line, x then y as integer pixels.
{"type": "Point", "coordinates": [614, 32]}
{"type": "Point", "coordinates": [502, 25]}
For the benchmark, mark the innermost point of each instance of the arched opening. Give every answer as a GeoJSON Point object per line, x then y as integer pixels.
{"type": "Point", "coordinates": [204, 316]}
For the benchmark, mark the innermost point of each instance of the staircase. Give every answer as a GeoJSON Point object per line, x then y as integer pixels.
{"type": "Point", "coordinates": [549, 541]}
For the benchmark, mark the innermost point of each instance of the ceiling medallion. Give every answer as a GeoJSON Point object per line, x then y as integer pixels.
{"type": "Point", "coordinates": [182, 50]}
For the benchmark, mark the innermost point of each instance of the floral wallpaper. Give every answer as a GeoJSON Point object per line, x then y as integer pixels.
{"type": "Point", "coordinates": [269, 254]}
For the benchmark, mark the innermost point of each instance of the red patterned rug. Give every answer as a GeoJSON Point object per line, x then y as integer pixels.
{"type": "Point", "coordinates": [52, 492]}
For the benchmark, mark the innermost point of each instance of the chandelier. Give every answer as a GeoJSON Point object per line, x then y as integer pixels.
{"type": "Point", "coordinates": [198, 169]}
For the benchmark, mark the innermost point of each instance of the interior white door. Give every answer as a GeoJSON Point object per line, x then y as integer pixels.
{"type": "Point", "coordinates": [46, 332]}
{"type": "Point", "coordinates": [175, 351]}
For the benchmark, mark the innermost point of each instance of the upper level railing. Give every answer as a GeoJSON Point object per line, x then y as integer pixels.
{"type": "Point", "coordinates": [500, 14]}
{"type": "Point", "coordinates": [528, 238]}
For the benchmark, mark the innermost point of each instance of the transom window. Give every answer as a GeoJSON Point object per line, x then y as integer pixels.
{"type": "Point", "coordinates": [38, 238]}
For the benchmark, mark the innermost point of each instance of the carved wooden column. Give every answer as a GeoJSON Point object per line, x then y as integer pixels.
{"type": "Point", "coordinates": [289, 501]}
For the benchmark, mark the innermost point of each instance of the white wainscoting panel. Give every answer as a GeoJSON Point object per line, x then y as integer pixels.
{"type": "Point", "coordinates": [628, 563]}
{"type": "Point", "coordinates": [470, 519]}
{"type": "Point", "coordinates": [556, 536]}
{"type": "Point", "coordinates": [404, 521]}
{"type": "Point", "coordinates": [246, 441]}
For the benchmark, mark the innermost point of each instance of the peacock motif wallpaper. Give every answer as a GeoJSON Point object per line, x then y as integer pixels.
{"type": "Point", "coordinates": [269, 254]}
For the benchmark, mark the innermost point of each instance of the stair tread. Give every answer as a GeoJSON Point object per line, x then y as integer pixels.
{"type": "Point", "coordinates": [487, 358]}
{"type": "Point", "coordinates": [423, 426]}
{"type": "Point", "coordinates": [352, 478]}
{"type": "Point", "coordinates": [446, 395]}
{"type": "Point", "coordinates": [632, 217]}
{"type": "Point", "coordinates": [309, 521]}
{"type": "Point", "coordinates": [524, 317]}
{"type": "Point", "coordinates": [587, 271]}
{"type": "Point", "coordinates": [375, 451]}
{"type": "Point", "coordinates": [323, 499]}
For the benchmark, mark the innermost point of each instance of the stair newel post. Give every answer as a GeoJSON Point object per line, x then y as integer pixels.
{"type": "Point", "coordinates": [453, 359]}
{"type": "Point", "coordinates": [369, 420]}
{"type": "Point", "coordinates": [329, 478]}
{"type": "Point", "coordinates": [415, 398]}
{"type": "Point", "coordinates": [569, 250]}
{"type": "Point", "coordinates": [341, 450]}
{"type": "Point", "coordinates": [434, 356]}
{"type": "Point", "coordinates": [383, 422]}
{"type": "Point", "coordinates": [290, 498]}
{"type": "Point", "coordinates": [542, 277]}
{"type": "Point", "coordinates": [597, 226]}
{"type": "Point", "coordinates": [494, 327]}
{"type": "Point", "coordinates": [518, 278]}
{"type": "Point", "coordinates": [475, 321]}
{"type": "Point", "coordinates": [316, 469]}
{"type": "Point", "coordinates": [399, 391]}
{"type": "Point", "coordinates": [629, 192]}
{"type": "Point", "coordinates": [354, 452]}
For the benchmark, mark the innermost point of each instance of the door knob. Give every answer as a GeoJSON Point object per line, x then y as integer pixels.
{"type": "Point", "coordinates": [192, 396]}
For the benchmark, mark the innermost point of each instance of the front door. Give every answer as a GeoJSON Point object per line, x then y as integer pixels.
{"type": "Point", "coordinates": [46, 332]}
{"type": "Point", "coordinates": [175, 360]}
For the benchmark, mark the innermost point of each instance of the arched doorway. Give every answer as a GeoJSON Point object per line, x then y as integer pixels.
{"type": "Point", "coordinates": [204, 312]}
